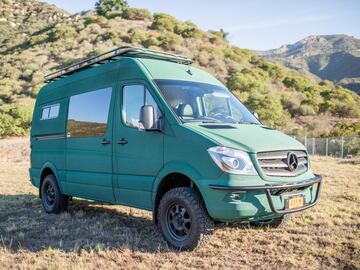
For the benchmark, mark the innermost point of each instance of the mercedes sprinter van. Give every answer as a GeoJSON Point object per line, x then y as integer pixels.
{"type": "Point", "coordinates": [145, 129]}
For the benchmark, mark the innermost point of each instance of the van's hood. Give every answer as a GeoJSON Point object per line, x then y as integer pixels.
{"type": "Point", "coordinates": [249, 138]}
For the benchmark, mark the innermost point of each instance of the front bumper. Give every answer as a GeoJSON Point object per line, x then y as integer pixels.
{"type": "Point", "coordinates": [257, 199]}
{"type": "Point", "coordinates": [268, 188]}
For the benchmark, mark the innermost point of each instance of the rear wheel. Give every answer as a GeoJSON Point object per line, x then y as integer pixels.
{"type": "Point", "coordinates": [52, 200]}
{"type": "Point", "coordinates": [273, 223]}
{"type": "Point", "coordinates": [183, 219]}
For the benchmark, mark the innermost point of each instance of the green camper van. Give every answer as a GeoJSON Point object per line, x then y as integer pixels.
{"type": "Point", "coordinates": [145, 129]}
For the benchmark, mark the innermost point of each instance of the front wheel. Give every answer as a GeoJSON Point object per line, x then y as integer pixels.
{"type": "Point", "coordinates": [183, 219]}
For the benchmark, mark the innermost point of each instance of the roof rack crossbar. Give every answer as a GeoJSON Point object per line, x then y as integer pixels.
{"type": "Point", "coordinates": [115, 54]}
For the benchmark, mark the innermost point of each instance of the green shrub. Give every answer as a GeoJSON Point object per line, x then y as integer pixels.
{"type": "Point", "coordinates": [269, 109]}
{"type": "Point", "coordinates": [217, 37]}
{"type": "Point", "coordinates": [61, 33]}
{"type": "Point", "coordinates": [245, 81]}
{"type": "Point", "coordinates": [8, 126]}
{"type": "Point", "coordinates": [137, 36]}
{"type": "Point", "coordinates": [187, 30]}
{"type": "Point", "coordinates": [15, 119]}
{"type": "Point", "coordinates": [168, 41]}
{"type": "Point", "coordinates": [110, 8]}
{"type": "Point", "coordinates": [162, 21]}
{"type": "Point", "coordinates": [341, 102]}
{"type": "Point", "coordinates": [136, 14]}
{"type": "Point", "coordinates": [296, 82]}
{"type": "Point", "coordinates": [346, 128]}
{"type": "Point", "coordinates": [151, 41]}
{"type": "Point", "coordinates": [109, 35]}
{"type": "Point", "coordinates": [236, 54]}
{"type": "Point", "coordinates": [274, 70]}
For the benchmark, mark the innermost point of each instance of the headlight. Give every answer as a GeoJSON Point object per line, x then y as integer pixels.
{"type": "Point", "coordinates": [232, 160]}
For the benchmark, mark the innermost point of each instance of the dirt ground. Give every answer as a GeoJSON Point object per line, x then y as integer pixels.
{"type": "Point", "coordinates": [96, 236]}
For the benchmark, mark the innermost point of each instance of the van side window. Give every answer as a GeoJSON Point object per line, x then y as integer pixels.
{"type": "Point", "coordinates": [134, 97]}
{"type": "Point", "coordinates": [88, 113]}
{"type": "Point", "coordinates": [50, 112]}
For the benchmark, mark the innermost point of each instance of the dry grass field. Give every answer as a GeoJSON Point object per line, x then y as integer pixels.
{"type": "Point", "coordinates": [96, 236]}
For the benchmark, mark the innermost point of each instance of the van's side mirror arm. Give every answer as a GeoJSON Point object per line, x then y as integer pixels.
{"type": "Point", "coordinates": [147, 121]}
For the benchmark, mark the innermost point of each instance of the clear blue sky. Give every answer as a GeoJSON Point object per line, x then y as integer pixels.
{"type": "Point", "coordinates": [254, 24]}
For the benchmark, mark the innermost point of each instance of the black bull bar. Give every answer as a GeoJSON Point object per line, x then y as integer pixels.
{"type": "Point", "coordinates": [268, 188]}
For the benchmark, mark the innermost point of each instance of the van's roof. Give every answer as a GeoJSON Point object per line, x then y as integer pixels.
{"type": "Point", "coordinates": [172, 71]}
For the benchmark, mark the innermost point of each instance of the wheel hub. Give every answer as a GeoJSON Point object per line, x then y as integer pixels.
{"type": "Point", "coordinates": [50, 194]}
{"type": "Point", "coordinates": [178, 221]}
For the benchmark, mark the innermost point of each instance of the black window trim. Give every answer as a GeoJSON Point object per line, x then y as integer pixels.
{"type": "Point", "coordinates": [49, 106]}
{"type": "Point", "coordinates": [122, 102]}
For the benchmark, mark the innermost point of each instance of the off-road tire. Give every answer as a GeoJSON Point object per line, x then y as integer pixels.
{"type": "Point", "coordinates": [52, 200]}
{"type": "Point", "coordinates": [272, 223]}
{"type": "Point", "coordinates": [201, 225]}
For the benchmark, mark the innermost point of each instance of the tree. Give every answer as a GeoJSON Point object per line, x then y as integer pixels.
{"type": "Point", "coordinates": [110, 7]}
{"type": "Point", "coordinates": [224, 34]}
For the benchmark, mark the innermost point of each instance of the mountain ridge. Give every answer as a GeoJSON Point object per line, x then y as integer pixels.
{"type": "Point", "coordinates": [327, 57]}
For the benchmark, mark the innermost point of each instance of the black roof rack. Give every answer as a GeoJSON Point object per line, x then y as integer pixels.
{"type": "Point", "coordinates": [115, 54]}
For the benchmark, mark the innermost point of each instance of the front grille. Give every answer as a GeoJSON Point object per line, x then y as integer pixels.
{"type": "Point", "coordinates": [275, 163]}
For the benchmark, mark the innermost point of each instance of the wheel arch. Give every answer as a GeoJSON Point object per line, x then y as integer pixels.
{"type": "Point", "coordinates": [47, 169]}
{"type": "Point", "coordinates": [172, 176]}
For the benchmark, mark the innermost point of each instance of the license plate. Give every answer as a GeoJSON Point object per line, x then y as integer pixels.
{"type": "Point", "coordinates": [295, 202]}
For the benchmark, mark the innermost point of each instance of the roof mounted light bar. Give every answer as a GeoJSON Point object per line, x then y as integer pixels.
{"type": "Point", "coordinates": [115, 54]}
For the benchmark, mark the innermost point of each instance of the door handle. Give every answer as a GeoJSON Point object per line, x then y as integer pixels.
{"type": "Point", "coordinates": [122, 141]}
{"type": "Point", "coordinates": [105, 141]}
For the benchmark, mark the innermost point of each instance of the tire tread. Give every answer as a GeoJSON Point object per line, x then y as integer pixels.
{"type": "Point", "coordinates": [206, 224]}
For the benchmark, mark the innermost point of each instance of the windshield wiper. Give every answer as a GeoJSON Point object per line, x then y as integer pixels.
{"type": "Point", "coordinates": [210, 121]}
{"type": "Point", "coordinates": [247, 123]}
{"type": "Point", "coordinates": [204, 120]}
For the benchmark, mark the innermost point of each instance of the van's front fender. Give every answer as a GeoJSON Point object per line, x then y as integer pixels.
{"type": "Point", "coordinates": [176, 167]}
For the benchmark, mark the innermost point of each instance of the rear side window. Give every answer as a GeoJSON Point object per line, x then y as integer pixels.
{"type": "Point", "coordinates": [50, 112]}
{"type": "Point", "coordinates": [88, 113]}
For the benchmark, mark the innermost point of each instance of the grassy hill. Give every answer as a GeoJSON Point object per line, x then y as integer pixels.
{"type": "Point", "coordinates": [330, 57]}
{"type": "Point", "coordinates": [37, 38]}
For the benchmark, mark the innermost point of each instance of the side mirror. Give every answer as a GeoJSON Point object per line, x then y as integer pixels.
{"type": "Point", "coordinates": [147, 118]}
{"type": "Point", "coordinates": [256, 115]}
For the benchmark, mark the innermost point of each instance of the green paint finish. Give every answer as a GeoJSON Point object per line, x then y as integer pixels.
{"type": "Point", "coordinates": [172, 71]}
{"type": "Point", "coordinates": [130, 173]}
{"type": "Point", "coordinates": [250, 138]}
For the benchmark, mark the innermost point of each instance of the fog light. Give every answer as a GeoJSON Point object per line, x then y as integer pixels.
{"type": "Point", "coordinates": [235, 196]}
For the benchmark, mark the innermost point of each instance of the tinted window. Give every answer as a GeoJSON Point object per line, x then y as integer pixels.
{"type": "Point", "coordinates": [88, 113]}
{"type": "Point", "coordinates": [49, 112]}
{"type": "Point", "coordinates": [134, 97]}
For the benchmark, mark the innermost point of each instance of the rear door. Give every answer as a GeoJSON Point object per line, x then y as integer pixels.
{"type": "Point", "coordinates": [89, 145]}
{"type": "Point", "coordinates": [138, 155]}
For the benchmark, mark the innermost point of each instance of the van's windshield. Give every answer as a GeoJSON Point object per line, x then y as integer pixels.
{"type": "Point", "coordinates": [207, 103]}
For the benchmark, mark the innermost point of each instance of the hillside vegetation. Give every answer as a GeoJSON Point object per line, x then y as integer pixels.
{"type": "Point", "coordinates": [329, 57]}
{"type": "Point", "coordinates": [37, 38]}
